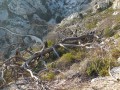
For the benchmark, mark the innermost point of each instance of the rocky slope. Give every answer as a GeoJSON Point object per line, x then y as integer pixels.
{"type": "Point", "coordinates": [101, 21]}
{"type": "Point", "coordinates": [32, 16]}
{"type": "Point", "coordinates": [29, 17]}
{"type": "Point", "coordinates": [78, 17]}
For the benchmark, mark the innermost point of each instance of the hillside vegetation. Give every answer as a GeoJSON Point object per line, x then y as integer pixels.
{"type": "Point", "coordinates": [76, 51]}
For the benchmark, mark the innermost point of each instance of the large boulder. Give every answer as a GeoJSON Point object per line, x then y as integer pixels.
{"type": "Point", "coordinates": [116, 7]}
{"type": "Point", "coordinates": [116, 4]}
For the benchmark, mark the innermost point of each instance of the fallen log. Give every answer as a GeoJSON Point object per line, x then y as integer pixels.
{"type": "Point", "coordinates": [84, 39]}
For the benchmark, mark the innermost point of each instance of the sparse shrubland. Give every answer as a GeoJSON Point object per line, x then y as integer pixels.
{"type": "Point", "coordinates": [91, 24]}
{"type": "Point", "coordinates": [108, 32]}
{"type": "Point", "coordinates": [117, 35]}
{"type": "Point", "coordinates": [115, 53]}
{"type": "Point", "coordinates": [65, 61]}
{"type": "Point", "coordinates": [92, 60]}
{"type": "Point", "coordinates": [47, 76]}
{"type": "Point", "coordinates": [100, 66]}
{"type": "Point", "coordinates": [50, 43]}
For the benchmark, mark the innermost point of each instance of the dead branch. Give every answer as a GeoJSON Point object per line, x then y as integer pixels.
{"type": "Point", "coordinates": [31, 73]}
{"type": "Point", "coordinates": [55, 52]}
{"type": "Point", "coordinates": [74, 45]}
{"type": "Point", "coordinates": [2, 74]}
{"type": "Point", "coordinates": [85, 41]}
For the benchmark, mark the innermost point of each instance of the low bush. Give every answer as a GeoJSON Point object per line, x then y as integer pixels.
{"type": "Point", "coordinates": [108, 32]}
{"type": "Point", "coordinates": [51, 65]}
{"type": "Point", "coordinates": [91, 24]}
{"type": "Point", "coordinates": [99, 67]}
{"type": "Point", "coordinates": [80, 55]}
{"type": "Point", "coordinates": [115, 53]}
{"type": "Point", "coordinates": [117, 27]}
{"type": "Point", "coordinates": [50, 43]}
{"type": "Point", "coordinates": [48, 76]}
{"type": "Point", "coordinates": [65, 61]}
{"type": "Point", "coordinates": [117, 35]}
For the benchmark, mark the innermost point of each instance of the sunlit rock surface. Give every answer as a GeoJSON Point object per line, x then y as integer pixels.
{"type": "Point", "coordinates": [33, 16]}
{"type": "Point", "coordinates": [116, 7]}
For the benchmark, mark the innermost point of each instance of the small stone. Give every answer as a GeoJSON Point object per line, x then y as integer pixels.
{"type": "Point", "coordinates": [118, 60]}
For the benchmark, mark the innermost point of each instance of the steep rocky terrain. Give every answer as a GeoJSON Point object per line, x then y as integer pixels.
{"type": "Point", "coordinates": [92, 67]}
{"type": "Point", "coordinates": [33, 17]}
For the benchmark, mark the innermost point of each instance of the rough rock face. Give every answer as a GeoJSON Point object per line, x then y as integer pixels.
{"type": "Point", "coordinates": [116, 4]}
{"type": "Point", "coordinates": [56, 9]}
{"type": "Point", "coordinates": [31, 17]}
{"type": "Point", "coordinates": [19, 17]}
{"type": "Point", "coordinates": [100, 4]}
{"type": "Point", "coordinates": [116, 7]}
{"type": "Point", "coordinates": [63, 8]}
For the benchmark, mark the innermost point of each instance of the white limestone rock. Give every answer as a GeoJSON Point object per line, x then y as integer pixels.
{"type": "Point", "coordinates": [116, 4]}
{"type": "Point", "coordinates": [116, 7]}
{"type": "Point", "coordinates": [118, 60]}
{"type": "Point", "coordinates": [115, 72]}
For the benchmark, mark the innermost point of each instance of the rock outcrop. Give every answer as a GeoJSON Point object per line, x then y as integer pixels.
{"type": "Point", "coordinates": [99, 5]}
{"type": "Point", "coordinates": [116, 4]}
{"type": "Point", "coordinates": [23, 18]}
{"type": "Point", "coordinates": [116, 7]}
{"type": "Point", "coordinates": [31, 16]}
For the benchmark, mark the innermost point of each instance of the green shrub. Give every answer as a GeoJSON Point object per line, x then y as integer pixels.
{"type": "Point", "coordinates": [65, 61]}
{"type": "Point", "coordinates": [38, 67]}
{"type": "Point", "coordinates": [117, 36]}
{"type": "Point", "coordinates": [117, 27]}
{"type": "Point", "coordinates": [68, 57]}
{"type": "Point", "coordinates": [51, 65]}
{"type": "Point", "coordinates": [80, 55]}
{"type": "Point", "coordinates": [115, 53]}
{"type": "Point", "coordinates": [91, 24]}
{"type": "Point", "coordinates": [108, 32]}
{"type": "Point", "coordinates": [117, 18]}
{"type": "Point", "coordinates": [61, 51]}
{"type": "Point", "coordinates": [48, 76]}
{"type": "Point", "coordinates": [50, 43]}
{"type": "Point", "coordinates": [99, 67]}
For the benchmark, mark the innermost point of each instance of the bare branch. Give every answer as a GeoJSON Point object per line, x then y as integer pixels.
{"type": "Point", "coordinates": [55, 52]}
{"type": "Point", "coordinates": [31, 73]}
{"type": "Point", "coordinates": [2, 69]}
